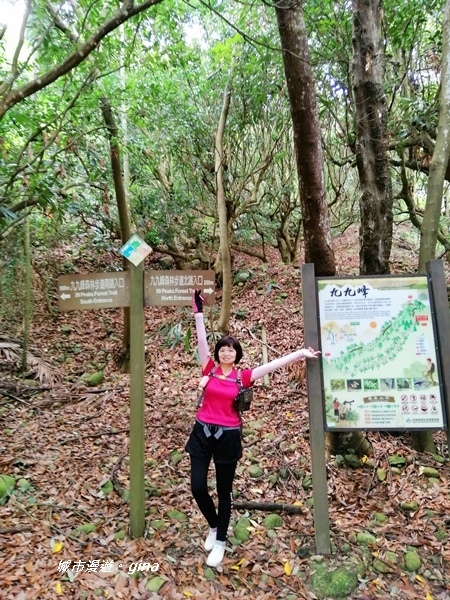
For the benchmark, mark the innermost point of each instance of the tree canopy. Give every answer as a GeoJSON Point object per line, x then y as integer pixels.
{"type": "Point", "coordinates": [164, 66]}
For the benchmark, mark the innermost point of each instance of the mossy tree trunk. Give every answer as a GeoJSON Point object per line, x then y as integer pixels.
{"type": "Point", "coordinates": [371, 116]}
{"type": "Point", "coordinates": [124, 218]}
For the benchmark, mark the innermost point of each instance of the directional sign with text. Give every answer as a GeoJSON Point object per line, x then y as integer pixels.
{"type": "Point", "coordinates": [112, 290]}
{"type": "Point", "coordinates": [93, 290]}
{"type": "Point", "coordinates": [176, 288]}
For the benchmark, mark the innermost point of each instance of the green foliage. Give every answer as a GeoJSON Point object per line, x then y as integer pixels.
{"type": "Point", "coordinates": [7, 484]}
{"type": "Point", "coordinates": [54, 155]}
{"type": "Point", "coordinates": [187, 339]}
{"type": "Point", "coordinates": [271, 286]}
{"type": "Point", "coordinates": [173, 334]}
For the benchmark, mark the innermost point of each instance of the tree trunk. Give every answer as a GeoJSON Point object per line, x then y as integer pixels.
{"type": "Point", "coordinates": [371, 145]}
{"type": "Point", "coordinates": [124, 124]}
{"type": "Point", "coordinates": [125, 229]}
{"type": "Point", "coordinates": [440, 158]}
{"type": "Point", "coordinates": [371, 138]}
{"type": "Point", "coordinates": [423, 441]}
{"type": "Point", "coordinates": [307, 136]}
{"type": "Point", "coordinates": [309, 157]}
{"type": "Point", "coordinates": [341, 442]}
{"type": "Point", "coordinates": [224, 250]}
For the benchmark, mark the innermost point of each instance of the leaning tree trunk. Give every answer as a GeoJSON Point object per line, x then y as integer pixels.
{"type": "Point", "coordinates": [225, 257]}
{"type": "Point", "coordinates": [440, 158]}
{"type": "Point", "coordinates": [423, 440]}
{"type": "Point", "coordinates": [309, 157]}
{"type": "Point", "coordinates": [125, 229]}
{"type": "Point", "coordinates": [371, 138]}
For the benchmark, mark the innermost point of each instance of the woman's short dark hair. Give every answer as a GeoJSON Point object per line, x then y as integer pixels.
{"type": "Point", "coordinates": [231, 342]}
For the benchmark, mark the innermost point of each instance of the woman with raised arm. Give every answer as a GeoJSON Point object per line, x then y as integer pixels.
{"type": "Point", "coordinates": [217, 430]}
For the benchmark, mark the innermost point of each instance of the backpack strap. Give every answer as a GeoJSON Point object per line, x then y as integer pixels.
{"type": "Point", "coordinates": [224, 378]}
{"type": "Point", "coordinates": [210, 374]}
{"type": "Point", "coordinates": [200, 398]}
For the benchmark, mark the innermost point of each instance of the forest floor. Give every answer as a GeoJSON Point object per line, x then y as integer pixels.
{"type": "Point", "coordinates": [64, 530]}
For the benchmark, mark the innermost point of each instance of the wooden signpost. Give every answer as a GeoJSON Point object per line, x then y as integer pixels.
{"type": "Point", "coordinates": [121, 289]}
{"type": "Point", "coordinates": [137, 402]}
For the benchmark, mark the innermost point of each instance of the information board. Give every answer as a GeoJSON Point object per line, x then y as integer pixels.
{"type": "Point", "coordinates": [380, 364]}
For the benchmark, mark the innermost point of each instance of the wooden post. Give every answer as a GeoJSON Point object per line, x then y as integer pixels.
{"type": "Point", "coordinates": [316, 405]}
{"type": "Point", "coordinates": [439, 300]}
{"type": "Point", "coordinates": [137, 401]}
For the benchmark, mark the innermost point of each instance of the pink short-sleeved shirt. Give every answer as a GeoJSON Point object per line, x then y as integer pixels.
{"type": "Point", "coordinates": [217, 406]}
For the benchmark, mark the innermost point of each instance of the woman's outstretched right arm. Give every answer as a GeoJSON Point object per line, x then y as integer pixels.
{"type": "Point", "coordinates": [283, 361]}
{"type": "Point", "coordinates": [202, 342]}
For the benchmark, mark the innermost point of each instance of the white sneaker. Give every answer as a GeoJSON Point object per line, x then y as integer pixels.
{"type": "Point", "coordinates": [210, 540]}
{"type": "Point", "coordinates": [215, 557]}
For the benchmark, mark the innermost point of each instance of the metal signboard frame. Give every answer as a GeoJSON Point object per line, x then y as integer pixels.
{"type": "Point", "coordinates": [440, 317]}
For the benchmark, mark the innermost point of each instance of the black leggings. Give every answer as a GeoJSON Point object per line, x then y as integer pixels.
{"type": "Point", "coordinates": [199, 486]}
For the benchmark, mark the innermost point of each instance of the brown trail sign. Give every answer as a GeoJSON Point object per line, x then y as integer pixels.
{"type": "Point", "coordinates": [93, 290]}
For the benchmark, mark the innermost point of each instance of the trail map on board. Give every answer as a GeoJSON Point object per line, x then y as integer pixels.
{"type": "Point", "coordinates": [380, 366]}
